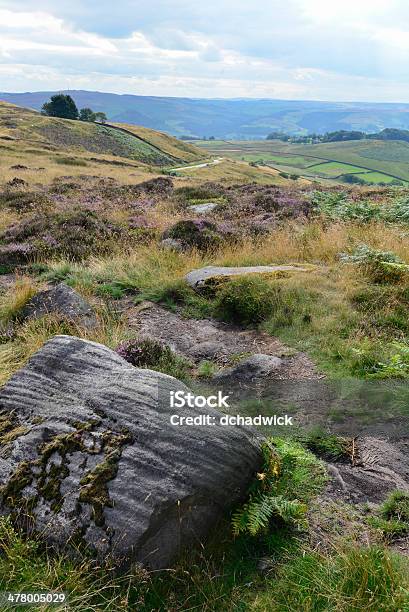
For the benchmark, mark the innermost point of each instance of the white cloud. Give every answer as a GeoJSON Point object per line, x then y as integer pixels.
{"type": "Point", "coordinates": [326, 49]}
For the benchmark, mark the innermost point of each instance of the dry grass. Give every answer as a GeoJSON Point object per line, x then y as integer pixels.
{"type": "Point", "coordinates": [314, 242]}
{"type": "Point", "coordinates": [16, 298]}
{"type": "Point", "coordinates": [31, 335]}
{"type": "Point", "coordinates": [230, 171]}
{"type": "Point", "coordinates": [43, 170]}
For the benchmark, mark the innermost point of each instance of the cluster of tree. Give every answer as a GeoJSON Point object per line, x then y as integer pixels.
{"type": "Point", "coordinates": [64, 106]}
{"type": "Point", "coordinates": [353, 179]}
{"type": "Point", "coordinates": [342, 136]}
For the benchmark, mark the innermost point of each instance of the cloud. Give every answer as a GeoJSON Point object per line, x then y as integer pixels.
{"type": "Point", "coordinates": [311, 49]}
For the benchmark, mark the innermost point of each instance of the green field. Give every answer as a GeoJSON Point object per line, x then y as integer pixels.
{"type": "Point", "coordinates": [375, 161]}
{"type": "Point", "coordinates": [334, 169]}
{"type": "Point", "coordinates": [376, 177]}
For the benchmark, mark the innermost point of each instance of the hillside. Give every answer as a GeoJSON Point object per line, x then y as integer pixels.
{"type": "Point", "coordinates": [45, 148]}
{"type": "Point", "coordinates": [231, 118]}
{"type": "Point", "coordinates": [25, 124]}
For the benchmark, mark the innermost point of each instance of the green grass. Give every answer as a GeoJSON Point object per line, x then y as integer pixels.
{"type": "Point", "coordinates": [353, 580]}
{"type": "Point", "coordinates": [334, 169]}
{"type": "Point", "coordinates": [377, 177]}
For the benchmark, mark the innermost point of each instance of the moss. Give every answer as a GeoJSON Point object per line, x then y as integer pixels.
{"type": "Point", "coordinates": [94, 489]}
{"type": "Point", "coordinates": [10, 429]}
{"type": "Point", "coordinates": [37, 420]}
{"type": "Point", "coordinates": [329, 446]}
{"type": "Point", "coordinates": [94, 485]}
{"type": "Point", "coordinates": [21, 478]}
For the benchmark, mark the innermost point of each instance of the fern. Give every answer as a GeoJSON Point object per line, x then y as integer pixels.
{"type": "Point", "coordinates": [255, 516]}
{"type": "Point", "coordinates": [290, 476]}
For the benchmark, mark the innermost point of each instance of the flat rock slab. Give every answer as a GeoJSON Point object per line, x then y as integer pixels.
{"type": "Point", "coordinates": [202, 209]}
{"type": "Point", "coordinates": [89, 455]}
{"type": "Point", "coordinates": [62, 300]}
{"type": "Point", "coordinates": [212, 274]}
{"type": "Point", "coordinates": [206, 339]}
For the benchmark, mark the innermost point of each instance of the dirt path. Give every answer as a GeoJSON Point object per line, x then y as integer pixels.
{"type": "Point", "coordinates": [205, 339]}
{"type": "Point", "coordinates": [203, 165]}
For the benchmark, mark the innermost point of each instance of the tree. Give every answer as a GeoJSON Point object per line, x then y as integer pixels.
{"type": "Point", "coordinates": [61, 105]}
{"type": "Point", "coordinates": [87, 114]}
{"type": "Point", "coordinates": [101, 117]}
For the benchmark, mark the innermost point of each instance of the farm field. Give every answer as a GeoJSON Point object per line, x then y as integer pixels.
{"type": "Point", "coordinates": [374, 162]}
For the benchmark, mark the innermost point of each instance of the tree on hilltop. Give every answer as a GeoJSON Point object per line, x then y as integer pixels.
{"type": "Point", "coordinates": [87, 114]}
{"type": "Point", "coordinates": [101, 117]}
{"type": "Point", "coordinates": [60, 105]}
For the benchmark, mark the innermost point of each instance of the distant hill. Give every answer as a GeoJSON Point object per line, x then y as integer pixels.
{"type": "Point", "coordinates": [138, 144]}
{"type": "Point", "coordinates": [231, 119]}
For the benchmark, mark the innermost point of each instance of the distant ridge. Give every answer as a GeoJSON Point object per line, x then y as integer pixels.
{"type": "Point", "coordinates": [231, 119]}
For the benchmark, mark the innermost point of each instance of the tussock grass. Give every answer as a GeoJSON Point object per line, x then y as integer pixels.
{"type": "Point", "coordinates": [352, 579]}
{"type": "Point", "coordinates": [31, 335]}
{"type": "Point", "coordinates": [16, 298]}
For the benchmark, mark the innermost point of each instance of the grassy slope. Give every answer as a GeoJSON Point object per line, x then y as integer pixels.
{"type": "Point", "coordinates": [176, 148]}
{"type": "Point", "coordinates": [50, 147]}
{"type": "Point", "coordinates": [223, 576]}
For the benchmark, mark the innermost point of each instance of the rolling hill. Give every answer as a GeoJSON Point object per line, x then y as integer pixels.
{"type": "Point", "coordinates": [232, 119]}
{"type": "Point", "coordinates": [46, 148]}
{"type": "Point", "coordinates": [368, 161]}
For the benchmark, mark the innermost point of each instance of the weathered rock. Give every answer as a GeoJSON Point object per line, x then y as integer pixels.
{"type": "Point", "coordinates": [251, 368]}
{"type": "Point", "coordinates": [14, 254]}
{"type": "Point", "coordinates": [199, 279]}
{"type": "Point", "coordinates": [208, 339]}
{"type": "Point", "coordinates": [382, 466]}
{"type": "Point", "coordinates": [89, 454]}
{"type": "Point", "coordinates": [195, 233]}
{"type": "Point", "coordinates": [62, 300]}
{"type": "Point", "coordinates": [202, 209]}
{"type": "Point", "coordinates": [172, 244]}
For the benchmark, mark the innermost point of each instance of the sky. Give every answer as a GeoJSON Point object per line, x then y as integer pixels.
{"type": "Point", "coordinates": [354, 50]}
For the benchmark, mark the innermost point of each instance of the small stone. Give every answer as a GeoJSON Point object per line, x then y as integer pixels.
{"type": "Point", "coordinates": [62, 300]}
{"type": "Point", "coordinates": [202, 209]}
{"type": "Point", "coordinates": [256, 366]}
{"type": "Point", "coordinates": [171, 244]}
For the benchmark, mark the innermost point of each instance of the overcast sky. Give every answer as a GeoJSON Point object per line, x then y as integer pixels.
{"type": "Point", "coordinates": [293, 49]}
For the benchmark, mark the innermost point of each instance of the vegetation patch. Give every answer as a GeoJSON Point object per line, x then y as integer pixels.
{"type": "Point", "coordinates": [289, 478]}
{"type": "Point", "coordinates": [155, 356]}
{"type": "Point", "coordinates": [70, 161]}
{"type": "Point", "coordinates": [75, 235]}
{"type": "Point", "coordinates": [328, 446]}
{"type": "Point", "coordinates": [392, 519]}
{"type": "Point", "coordinates": [378, 266]}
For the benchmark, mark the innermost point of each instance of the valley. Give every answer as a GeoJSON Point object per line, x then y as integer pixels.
{"type": "Point", "coordinates": [134, 265]}
{"type": "Point", "coordinates": [364, 161]}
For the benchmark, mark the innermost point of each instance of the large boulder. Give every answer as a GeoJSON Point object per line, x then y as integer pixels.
{"type": "Point", "coordinates": [62, 300]}
{"type": "Point", "coordinates": [89, 456]}
{"type": "Point", "coordinates": [210, 275]}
